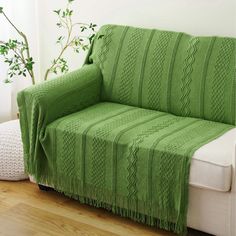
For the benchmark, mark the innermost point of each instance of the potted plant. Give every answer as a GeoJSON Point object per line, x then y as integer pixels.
{"type": "Point", "coordinates": [16, 52]}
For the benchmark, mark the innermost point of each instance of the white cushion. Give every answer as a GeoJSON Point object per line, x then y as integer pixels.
{"type": "Point", "coordinates": [211, 165]}
{"type": "Point", "coordinates": [11, 152]}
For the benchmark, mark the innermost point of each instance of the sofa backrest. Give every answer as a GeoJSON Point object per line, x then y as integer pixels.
{"type": "Point", "coordinates": [168, 71]}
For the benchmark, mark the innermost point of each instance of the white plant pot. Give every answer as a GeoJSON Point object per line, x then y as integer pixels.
{"type": "Point", "coordinates": [5, 102]}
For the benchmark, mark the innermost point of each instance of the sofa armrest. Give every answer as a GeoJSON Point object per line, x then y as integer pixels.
{"type": "Point", "coordinates": [42, 104]}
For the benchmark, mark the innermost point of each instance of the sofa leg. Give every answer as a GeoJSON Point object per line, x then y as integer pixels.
{"type": "Point", "coordinates": [44, 188]}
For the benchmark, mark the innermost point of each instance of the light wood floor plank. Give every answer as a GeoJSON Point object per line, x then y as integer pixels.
{"type": "Point", "coordinates": [25, 210]}
{"type": "Point", "coordinates": [27, 220]}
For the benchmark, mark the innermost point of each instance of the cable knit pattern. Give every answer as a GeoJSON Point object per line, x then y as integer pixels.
{"type": "Point", "coordinates": [157, 63]}
{"type": "Point", "coordinates": [68, 149]}
{"type": "Point", "coordinates": [187, 79]}
{"type": "Point", "coordinates": [204, 76]}
{"type": "Point", "coordinates": [134, 150]}
{"type": "Point", "coordinates": [99, 143]}
{"type": "Point", "coordinates": [170, 149]}
{"type": "Point", "coordinates": [102, 57]}
{"type": "Point", "coordinates": [129, 66]}
{"type": "Point", "coordinates": [220, 79]}
{"type": "Point", "coordinates": [144, 64]}
{"type": "Point", "coordinates": [176, 75]}
{"type": "Point", "coordinates": [119, 148]}
{"type": "Point", "coordinates": [170, 75]}
{"type": "Point", "coordinates": [85, 134]}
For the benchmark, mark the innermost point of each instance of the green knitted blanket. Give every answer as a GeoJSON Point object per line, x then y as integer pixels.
{"type": "Point", "coordinates": [131, 159]}
{"type": "Point", "coordinates": [168, 71]}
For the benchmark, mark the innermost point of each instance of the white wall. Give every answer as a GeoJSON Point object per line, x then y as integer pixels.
{"type": "Point", "coordinates": [37, 20]}
{"type": "Point", "coordinates": [24, 15]}
{"type": "Point", "coordinates": [200, 17]}
{"type": "Point", "coordinates": [4, 35]}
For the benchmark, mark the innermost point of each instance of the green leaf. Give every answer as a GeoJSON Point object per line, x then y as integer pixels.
{"type": "Point", "coordinates": [3, 50]}
{"type": "Point", "coordinates": [70, 12]}
{"type": "Point", "coordinates": [7, 81]}
{"type": "Point", "coordinates": [70, 1]}
{"type": "Point", "coordinates": [29, 64]}
{"type": "Point", "coordinates": [83, 28]}
{"type": "Point", "coordinates": [54, 70]}
{"type": "Point", "coordinates": [1, 10]}
{"type": "Point", "coordinates": [100, 36]}
{"type": "Point", "coordinates": [91, 38]}
{"type": "Point", "coordinates": [85, 47]}
{"type": "Point", "coordinates": [57, 11]}
{"type": "Point", "coordinates": [60, 39]}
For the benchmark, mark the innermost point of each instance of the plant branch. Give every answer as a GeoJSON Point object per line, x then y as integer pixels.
{"type": "Point", "coordinates": [76, 42]}
{"type": "Point", "coordinates": [67, 44]}
{"type": "Point", "coordinates": [31, 72]}
{"type": "Point", "coordinates": [18, 31]}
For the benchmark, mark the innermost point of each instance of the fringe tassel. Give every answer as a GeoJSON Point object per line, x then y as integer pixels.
{"type": "Point", "coordinates": [140, 211]}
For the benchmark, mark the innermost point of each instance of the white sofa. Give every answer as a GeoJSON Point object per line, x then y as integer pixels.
{"type": "Point", "coordinates": [212, 196]}
{"type": "Point", "coordinates": [212, 192]}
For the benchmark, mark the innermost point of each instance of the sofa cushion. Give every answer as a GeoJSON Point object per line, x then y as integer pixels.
{"type": "Point", "coordinates": [211, 165]}
{"type": "Point", "coordinates": [168, 71]}
{"type": "Point", "coordinates": [147, 125]}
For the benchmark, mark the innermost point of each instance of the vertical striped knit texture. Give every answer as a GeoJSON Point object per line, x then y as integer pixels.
{"type": "Point", "coordinates": [204, 75]}
{"type": "Point", "coordinates": [222, 68]}
{"type": "Point", "coordinates": [129, 66]}
{"type": "Point", "coordinates": [99, 145]}
{"type": "Point", "coordinates": [168, 71]}
{"type": "Point", "coordinates": [158, 58]}
{"type": "Point", "coordinates": [105, 134]}
{"type": "Point", "coordinates": [133, 158]}
{"type": "Point", "coordinates": [143, 66]}
{"type": "Point", "coordinates": [105, 47]}
{"type": "Point", "coordinates": [187, 76]}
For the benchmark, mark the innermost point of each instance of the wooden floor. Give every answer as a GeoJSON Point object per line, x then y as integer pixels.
{"type": "Point", "coordinates": [25, 210]}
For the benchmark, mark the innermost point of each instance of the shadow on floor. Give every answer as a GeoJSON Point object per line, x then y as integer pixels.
{"type": "Point", "coordinates": [192, 232]}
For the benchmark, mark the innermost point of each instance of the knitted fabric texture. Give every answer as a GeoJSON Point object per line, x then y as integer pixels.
{"type": "Point", "coordinates": [90, 135]}
{"type": "Point", "coordinates": [168, 71]}
{"type": "Point", "coordinates": [11, 152]}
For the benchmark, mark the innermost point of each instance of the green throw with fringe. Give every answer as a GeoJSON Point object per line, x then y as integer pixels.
{"type": "Point", "coordinates": [120, 149]}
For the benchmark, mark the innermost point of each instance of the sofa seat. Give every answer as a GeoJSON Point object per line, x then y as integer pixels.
{"type": "Point", "coordinates": [211, 164]}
